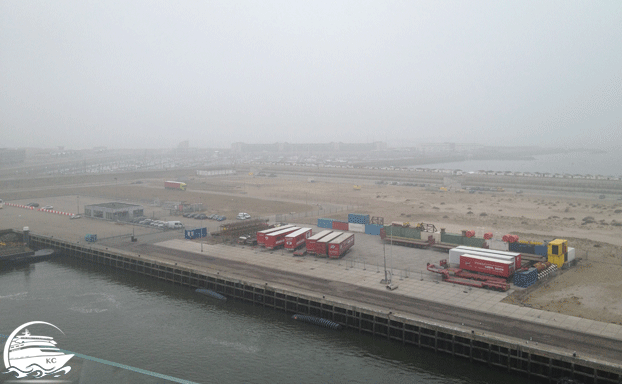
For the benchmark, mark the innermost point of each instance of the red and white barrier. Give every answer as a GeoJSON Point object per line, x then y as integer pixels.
{"type": "Point", "coordinates": [56, 212]}
{"type": "Point", "coordinates": [19, 206]}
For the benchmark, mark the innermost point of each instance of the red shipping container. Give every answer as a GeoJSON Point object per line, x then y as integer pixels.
{"type": "Point", "coordinates": [340, 225]}
{"type": "Point", "coordinates": [261, 235]}
{"type": "Point", "coordinates": [340, 245]}
{"type": "Point", "coordinates": [310, 242]}
{"type": "Point", "coordinates": [487, 265]}
{"type": "Point", "coordinates": [321, 246]}
{"type": "Point", "coordinates": [296, 239]}
{"type": "Point", "coordinates": [275, 239]}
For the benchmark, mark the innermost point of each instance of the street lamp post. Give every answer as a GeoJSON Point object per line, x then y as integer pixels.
{"type": "Point", "coordinates": [78, 197]}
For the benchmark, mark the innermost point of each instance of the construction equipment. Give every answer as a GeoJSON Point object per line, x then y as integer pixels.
{"type": "Point", "coordinates": [423, 227]}
{"type": "Point", "coordinates": [357, 187]}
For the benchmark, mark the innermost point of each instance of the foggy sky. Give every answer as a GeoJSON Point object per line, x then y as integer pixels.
{"type": "Point", "coordinates": [148, 74]}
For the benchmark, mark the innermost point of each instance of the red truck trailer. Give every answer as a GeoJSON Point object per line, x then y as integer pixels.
{"type": "Point", "coordinates": [297, 239]}
{"type": "Point", "coordinates": [495, 267]}
{"type": "Point", "coordinates": [340, 245]}
{"type": "Point", "coordinates": [178, 185]}
{"type": "Point", "coordinates": [321, 246]}
{"type": "Point", "coordinates": [313, 239]}
{"type": "Point", "coordinates": [261, 235]}
{"type": "Point", "coordinates": [276, 239]}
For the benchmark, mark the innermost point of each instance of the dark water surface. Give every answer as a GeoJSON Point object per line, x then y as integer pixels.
{"type": "Point", "coordinates": [160, 327]}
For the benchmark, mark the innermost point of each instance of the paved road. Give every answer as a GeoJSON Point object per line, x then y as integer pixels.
{"type": "Point", "coordinates": [480, 321]}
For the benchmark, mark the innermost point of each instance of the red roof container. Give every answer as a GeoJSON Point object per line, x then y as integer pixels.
{"type": "Point", "coordinates": [321, 246]}
{"type": "Point", "coordinates": [487, 265]}
{"type": "Point", "coordinates": [275, 239]}
{"type": "Point", "coordinates": [296, 239]}
{"type": "Point", "coordinates": [340, 225]}
{"type": "Point", "coordinates": [313, 239]}
{"type": "Point", "coordinates": [261, 235]}
{"type": "Point", "coordinates": [340, 245]}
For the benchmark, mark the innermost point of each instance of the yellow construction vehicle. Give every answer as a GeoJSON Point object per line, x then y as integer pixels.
{"type": "Point", "coordinates": [357, 187]}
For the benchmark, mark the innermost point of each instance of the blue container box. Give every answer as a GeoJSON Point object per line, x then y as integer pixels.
{"type": "Point", "coordinates": [540, 250]}
{"type": "Point", "coordinates": [524, 279]}
{"type": "Point", "coordinates": [358, 219]}
{"type": "Point", "coordinates": [325, 223]}
{"type": "Point", "coordinates": [372, 229]}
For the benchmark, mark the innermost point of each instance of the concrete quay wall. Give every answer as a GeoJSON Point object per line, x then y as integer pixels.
{"type": "Point", "coordinates": [538, 363]}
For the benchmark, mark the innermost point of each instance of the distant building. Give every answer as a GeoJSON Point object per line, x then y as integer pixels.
{"type": "Point", "coordinates": [12, 156]}
{"type": "Point", "coordinates": [114, 211]}
{"type": "Point", "coordinates": [308, 148]}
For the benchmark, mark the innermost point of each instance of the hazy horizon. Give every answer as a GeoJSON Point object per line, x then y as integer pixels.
{"type": "Point", "coordinates": [143, 74]}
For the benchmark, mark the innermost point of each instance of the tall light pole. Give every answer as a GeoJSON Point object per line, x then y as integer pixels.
{"type": "Point", "coordinates": [78, 197]}
{"type": "Point", "coordinates": [116, 188]}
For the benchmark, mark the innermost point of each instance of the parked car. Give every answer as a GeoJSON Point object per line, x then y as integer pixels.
{"type": "Point", "coordinates": [202, 216]}
{"type": "Point", "coordinates": [48, 207]}
{"type": "Point", "coordinates": [34, 205]}
{"type": "Point", "coordinates": [75, 217]}
{"type": "Point", "coordinates": [221, 218]}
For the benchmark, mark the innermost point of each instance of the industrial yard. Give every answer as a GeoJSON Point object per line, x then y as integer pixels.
{"type": "Point", "coordinates": [589, 290]}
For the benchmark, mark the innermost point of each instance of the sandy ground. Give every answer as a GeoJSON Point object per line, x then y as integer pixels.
{"type": "Point", "coordinates": [591, 290]}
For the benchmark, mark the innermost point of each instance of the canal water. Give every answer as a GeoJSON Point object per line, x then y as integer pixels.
{"type": "Point", "coordinates": [111, 318]}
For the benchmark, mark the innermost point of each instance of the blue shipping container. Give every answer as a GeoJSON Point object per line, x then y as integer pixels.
{"type": "Point", "coordinates": [195, 233]}
{"type": "Point", "coordinates": [540, 250]}
{"type": "Point", "coordinates": [358, 219]}
{"type": "Point", "coordinates": [325, 223]}
{"type": "Point", "coordinates": [373, 229]}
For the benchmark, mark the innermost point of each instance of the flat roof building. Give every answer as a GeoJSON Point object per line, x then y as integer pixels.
{"type": "Point", "coordinates": [114, 211]}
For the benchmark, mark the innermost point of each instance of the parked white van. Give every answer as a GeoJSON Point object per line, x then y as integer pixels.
{"type": "Point", "coordinates": [174, 225]}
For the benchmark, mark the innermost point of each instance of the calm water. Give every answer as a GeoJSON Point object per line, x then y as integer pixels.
{"type": "Point", "coordinates": [607, 164]}
{"type": "Point", "coordinates": [156, 326]}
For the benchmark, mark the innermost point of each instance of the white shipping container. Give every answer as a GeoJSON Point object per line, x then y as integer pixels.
{"type": "Point", "coordinates": [353, 227]}
{"type": "Point", "coordinates": [437, 236]}
{"type": "Point", "coordinates": [571, 254]}
{"type": "Point", "coordinates": [498, 245]}
{"type": "Point", "coordinates": [455, 253]}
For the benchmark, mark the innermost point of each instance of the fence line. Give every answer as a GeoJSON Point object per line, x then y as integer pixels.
{"type": "Point", "coordinates": [315, 213]}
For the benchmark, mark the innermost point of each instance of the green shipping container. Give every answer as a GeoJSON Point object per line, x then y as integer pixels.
{"type": "Point", "coordinates": [411, 233]}
{"type": "Point", "coordinates": [474, 241]}
{"type": "Point", "coordinates": [392, 230]}
{"type": "Point", "coordinates": [452, 238]}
